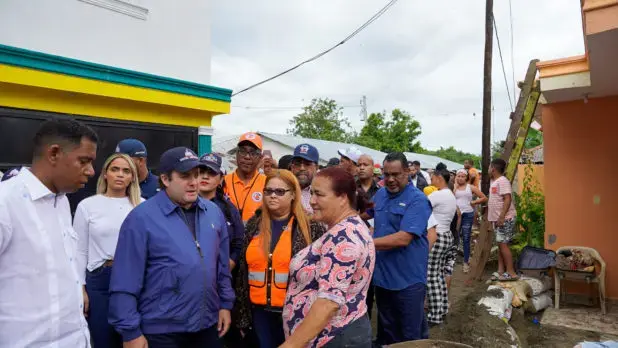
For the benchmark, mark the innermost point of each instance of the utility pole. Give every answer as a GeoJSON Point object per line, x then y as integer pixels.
{"type": "Point", "coordinates": [483, 246]}
{"type": "Point", "coordinates": [363, 104]}
{"type": "Point", "coordinates": [486, 142]}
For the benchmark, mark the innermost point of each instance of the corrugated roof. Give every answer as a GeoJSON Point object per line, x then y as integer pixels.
{"type": "Point", "coordinates": [328, 149]}
{"type": "Point", "coordinates": [533, 155]}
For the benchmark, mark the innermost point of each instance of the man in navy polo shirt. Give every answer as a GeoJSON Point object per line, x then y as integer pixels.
{"type": "Point", "coordinates": [400, 237]}
{"type": "Point", "coordinates": [171, 283]}
{"type": "Point", "coordinates": [148, 182]}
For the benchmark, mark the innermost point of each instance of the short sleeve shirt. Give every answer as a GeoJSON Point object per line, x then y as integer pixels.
{"type": "Point", "coordinates": [336, 267]}
{"type": "Point", "coordinates": [497, 190]}
{"type": "Point", "coordinates": [246, 198]}
{"type": "Point", "coordinates": [477, 178]}
{"type": "Point", "coordinates": [406, 211]}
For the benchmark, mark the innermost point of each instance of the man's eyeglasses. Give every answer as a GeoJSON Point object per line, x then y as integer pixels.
{"type": "Point", "coordinates": [246, 152]}
{"type": "Point", "coordinates": [279, 192]}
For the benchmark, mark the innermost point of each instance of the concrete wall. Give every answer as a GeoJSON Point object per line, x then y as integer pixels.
{"type": "Point", "coordinates": [581, 164]}
{"type": "Point", "coordinates": [538, 175]}
{"type": "Point", "coordinates": [161, 37]}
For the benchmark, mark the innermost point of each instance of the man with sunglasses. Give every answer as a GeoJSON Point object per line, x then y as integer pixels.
{"type": "Point", "coordinates": [244, 186]}
{"type": "Point", "coordinates": [304, 166]}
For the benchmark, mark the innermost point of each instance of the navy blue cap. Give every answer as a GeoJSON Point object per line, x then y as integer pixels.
{"type": "Point", "coordinates": [212, 161]}
{"type": "Point", "coordinates": [179, 159]}
{"type": "Point", "coordinates": [10, 173]}
{"type": "Point", "coordinates": [308, 152]}
{"type": "Point", "coordinates": [132, 147]}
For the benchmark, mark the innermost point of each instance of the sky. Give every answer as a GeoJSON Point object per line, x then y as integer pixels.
{"type": "Point", "coordinates": [424, 57]}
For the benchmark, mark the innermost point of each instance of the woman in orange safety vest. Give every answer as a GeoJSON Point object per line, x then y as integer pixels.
{"type": "Point", "coordinates": [276, 232]}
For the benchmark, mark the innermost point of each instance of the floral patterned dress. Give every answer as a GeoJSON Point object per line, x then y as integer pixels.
{"type": "Point", "coordinates": [337, 267]}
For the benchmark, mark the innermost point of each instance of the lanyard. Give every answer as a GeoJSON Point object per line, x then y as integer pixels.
{"type": "Point", "coordinates": [247, 195]}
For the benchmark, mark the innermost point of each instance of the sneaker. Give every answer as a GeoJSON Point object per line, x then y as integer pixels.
{"type": "Point", "coordinates": [466, 268]}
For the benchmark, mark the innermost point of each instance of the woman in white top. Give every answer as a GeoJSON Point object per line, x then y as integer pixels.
{"type": "Point", "coordinates": [97, 224]}
{"type": "Point", "coordinates": [444, 210]}
{"type": "Point", "coordinates": [464, 194]}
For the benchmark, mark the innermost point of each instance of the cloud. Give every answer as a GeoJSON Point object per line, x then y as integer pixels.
{"type": "Point", "coordinates": [423, 57]}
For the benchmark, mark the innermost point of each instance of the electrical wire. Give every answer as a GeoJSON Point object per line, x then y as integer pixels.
{"type": "Point", "coordinates": [512, 52]}
{"type": "Point", "coordinates": [284, 107]}
{"type": "Point", "coordinates": [502, 62]}
{"type": "Point", "coordinates": [354, 33]}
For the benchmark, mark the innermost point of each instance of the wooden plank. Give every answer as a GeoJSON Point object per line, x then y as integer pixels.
{"type": "Point", "coordinates": [482, 250]}
{"type": "Point", "coordinates": [517, 115]}
{"type": "Point", "coordinates": [528, 116]}
{"type": "Point", "coordinates": [521, 119]}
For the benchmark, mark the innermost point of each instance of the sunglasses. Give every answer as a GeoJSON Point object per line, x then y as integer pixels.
{"type": "Point", "coordinates": [279, 192]}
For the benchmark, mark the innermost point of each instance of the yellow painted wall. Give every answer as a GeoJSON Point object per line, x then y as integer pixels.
{"type": "Point", "coordinates": [43, 99]}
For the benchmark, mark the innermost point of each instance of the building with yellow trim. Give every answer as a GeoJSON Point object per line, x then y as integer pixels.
{"type": "Point", "coordinates": [129, 68]}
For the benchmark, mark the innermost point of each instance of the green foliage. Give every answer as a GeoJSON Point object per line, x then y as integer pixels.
{"type": "Point", "coordinates": [497, 148]}
{"type": "Point", "coordinates": [454, 155]}
{"type": "Point", "coordinates": [397, 132]}
{"type": "Point", "coordinates": [323, 119]}
{"type": "Point", "coordinates": [534, 139]}
{"type": "Point", "coordinates": [530, 205]}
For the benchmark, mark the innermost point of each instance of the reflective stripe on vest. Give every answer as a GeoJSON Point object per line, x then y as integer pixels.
{"type": "Point", "coordinates": [264, 270]}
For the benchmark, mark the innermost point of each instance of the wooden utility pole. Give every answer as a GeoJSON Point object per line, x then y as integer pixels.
{"type": "Point", "coordinates": [483, 247]}
{"type": "Point", "coordinates": [486, 142]}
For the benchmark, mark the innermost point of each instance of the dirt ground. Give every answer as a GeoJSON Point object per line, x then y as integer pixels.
{"type": "Point", "coordinates": [470, 324]}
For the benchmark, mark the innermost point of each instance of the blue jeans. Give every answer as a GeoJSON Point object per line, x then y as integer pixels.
{"type": "Point", "coordinates": [466, 232]}
{"type": "Point", "coordinates": [401, 314]}
{"type": "Point", "coordinates": [268, 327]}
{"type": "Point", "coordinates": [97, 287]}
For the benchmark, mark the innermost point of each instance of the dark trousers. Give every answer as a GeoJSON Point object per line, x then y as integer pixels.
{"type": "Point", "coordinates": [356, 334]}
{"type": "Point", "coordinates": [370, 300]}
{"type": "Point", "coordinates": [466, 232]}
{"type": "Point", "coordinates": [401, 314]}
{"type": "Point", "coordinates": [207, 338]}
{"type": "Point", "coordinates": [102, 334]}
{"type": "Point", "coordinates": [268, 327]}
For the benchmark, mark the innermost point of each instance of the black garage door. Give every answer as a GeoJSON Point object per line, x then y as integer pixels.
{"type": "Point", "coordinates": [18, 126]}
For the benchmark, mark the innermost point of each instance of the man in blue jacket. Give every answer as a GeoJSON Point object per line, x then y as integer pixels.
{"type": "Point", "coordinates": [171, 282]}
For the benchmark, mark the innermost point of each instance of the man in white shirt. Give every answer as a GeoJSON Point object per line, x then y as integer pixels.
{"type": "Point", "coordinates": [41, 299]}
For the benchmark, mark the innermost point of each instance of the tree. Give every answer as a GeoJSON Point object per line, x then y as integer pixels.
{"type": "Point", "coordinates": [497, 149]}
{"type": "Point", "coordinates": [454, 155]}
{"type": "Point", "coordinates": [533, 139]}
{"type": "Point", "coordinates": [397, 132]}
{"type": "Point", "coordinates": [323, 119]}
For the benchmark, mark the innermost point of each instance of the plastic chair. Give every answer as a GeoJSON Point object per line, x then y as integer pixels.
{"type": "Point", "coordinates": [598, 276]}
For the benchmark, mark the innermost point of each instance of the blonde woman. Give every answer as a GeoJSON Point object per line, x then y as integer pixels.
{"type": "Point", "coordinates": [273, 236]}
{"type": "Point", "coordinates": [97, 224]}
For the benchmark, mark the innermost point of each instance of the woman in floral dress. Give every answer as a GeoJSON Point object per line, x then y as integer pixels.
{"type": "Point", "coordinates": [325, 304]}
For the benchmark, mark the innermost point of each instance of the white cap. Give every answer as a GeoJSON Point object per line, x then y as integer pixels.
{"type": "Point", "coordinates": [353, 153]}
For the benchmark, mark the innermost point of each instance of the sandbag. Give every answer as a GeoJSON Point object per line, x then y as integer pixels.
{"type": "Point", "coordinates": [539, 302]}
{"type": "Point", "coordinates": [521, 291]}
{"type": "Point", "coordinates": [498, 304]}
{"type": "Point", "coordinates": [538, 286]}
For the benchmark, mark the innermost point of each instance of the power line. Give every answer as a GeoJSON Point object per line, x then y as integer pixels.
{"type": "Point", "coordinates": [284, 107]}
{"type": "Point", "coordinates": [502, 62]}
{"type": "Point", "coordinates": [512, 51]}
{"type": "Point", "coordinates": [354, 33]}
